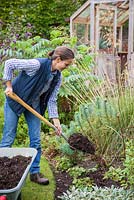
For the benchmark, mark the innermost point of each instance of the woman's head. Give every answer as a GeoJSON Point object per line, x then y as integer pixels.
{"type": "Point", "coordinates": [61, 57]}
{"type": "Point", "coordinates": [63, 52]}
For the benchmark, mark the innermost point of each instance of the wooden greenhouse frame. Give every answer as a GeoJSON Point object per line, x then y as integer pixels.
{"type": "Point", "coordinates": [95, 16]}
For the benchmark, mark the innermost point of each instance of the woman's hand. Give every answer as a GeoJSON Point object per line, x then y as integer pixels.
{"type": "Point", "coordinates": [9, 88]}
{"type": "Point", "coordinates": [56, 122]}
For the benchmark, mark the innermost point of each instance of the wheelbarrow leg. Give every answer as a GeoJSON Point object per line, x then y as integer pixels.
{"type": "Point", "coordinates": [19, 197]}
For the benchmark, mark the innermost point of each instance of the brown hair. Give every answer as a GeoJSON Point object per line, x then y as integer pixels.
{"type": "Point", "coordinates": [63, 52]}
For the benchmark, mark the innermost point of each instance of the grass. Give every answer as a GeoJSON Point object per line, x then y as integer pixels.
{"type": "Point", "coordinates": [34, 191]}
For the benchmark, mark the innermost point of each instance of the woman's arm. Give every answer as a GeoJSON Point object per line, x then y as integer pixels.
{"type": "Point", "coordinates": [52, 107]}
{"type": "Point", "coordinates": [30, 66]}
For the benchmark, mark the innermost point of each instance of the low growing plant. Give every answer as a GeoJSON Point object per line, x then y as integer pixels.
{"type": "Point", "coordinates": [96, 193]}
{"type": "Point", "coordinates": [76, 171]}
{"type": "Point", "coordinates": [125, 175]}
{"type": "Point", "coordinates": [82, 182]}
{"type": "Point", "coordinates": [64, 163]}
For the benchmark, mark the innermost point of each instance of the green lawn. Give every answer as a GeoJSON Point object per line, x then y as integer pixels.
{"type": "Point", "coordinates": [33, 191]}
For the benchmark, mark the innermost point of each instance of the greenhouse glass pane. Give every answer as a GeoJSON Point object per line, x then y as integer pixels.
{"type": "Point", "coordinates": [85, 13]}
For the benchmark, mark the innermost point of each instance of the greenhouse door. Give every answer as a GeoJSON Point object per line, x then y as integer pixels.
{"type": "Point", "coordinates": [106, 28]}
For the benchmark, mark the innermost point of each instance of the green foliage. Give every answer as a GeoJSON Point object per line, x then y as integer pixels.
{"type": "Point", "coordinates": [15, 31]}
{"type": "Point", "coordinates": [76, 171]}
{"type": "Point", "coordinates": [65, 148]}
{"type": "Point", "coordinates": [77, 78]}
{"type": "Point", "coordinates": [116, 174]}
{"type": "Point", "coordinates": [1, 121]}
{"type": "Point", "coordinates": [50, 143]}
{"type": "Point", "coordinates": [22, 138]}
{"type": "Point", "coordinates": [81, 183]}
{"type": "Point", "coordinates": [105, 113]}
{"type": "Point", "coordinates": [64, 163]}
{"type": "Point", "coordinates": [97, 193]}
{"type": "Point", "coordinates": [66, 107]}
{"type": "Point", "coordinates": [126, 174]}
{"type": "Point", "coordinates": [41, 14]}
{"type": "Point", "coordinates": [129, 162]}
{"type": "Point", "coordinates": [79, 177]}
{"type": "Point", "coordinates": [33, 47]}
{"type": "Point", "coordinates": [103, 44]}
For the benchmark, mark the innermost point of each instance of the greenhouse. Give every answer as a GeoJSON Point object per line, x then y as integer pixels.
{"type": "Point", "coordinates": [107, 26]}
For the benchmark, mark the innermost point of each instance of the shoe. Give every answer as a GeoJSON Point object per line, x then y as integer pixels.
{"type": "Point", "coordinates": [39, 178]}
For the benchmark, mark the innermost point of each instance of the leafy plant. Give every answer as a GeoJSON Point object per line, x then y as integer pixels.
{"type": "Point", "coordinates": [22, 138]}
{"type": "Point", "coordinates": [65, 148]}
{"type": "Point", "coordinates": [126, 174]}
{"type": "Point", "coordinates": [105, 113]}
{"type": "Point", "coordinates": [50, 144]}
{"type": "Point", "coordinates": [78, 180]}
{"type": "Point", "coordinates": [64, 163]}
{"type": "Point", "coordinates": [116, 174]}
{"type": "Point", "coordinates": [129, 162]}
{"type": "Point", "coordinates": [76, 171]}
{"type": "Point", "coordinates": [82, 182]}
{"type": "Point", "coordinates": [96, 193]}
{"type": "Point", "coordinates": [77, 78]}
{"type": "Point", "coordinates": [44, 15]}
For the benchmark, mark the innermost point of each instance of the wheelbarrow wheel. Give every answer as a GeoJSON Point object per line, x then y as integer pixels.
{"type": "Point", "coordinates": [19, 197]}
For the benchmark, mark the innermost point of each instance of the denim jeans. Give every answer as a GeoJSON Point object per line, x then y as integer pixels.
{"type": "Point", "coordinates": [10, 128]}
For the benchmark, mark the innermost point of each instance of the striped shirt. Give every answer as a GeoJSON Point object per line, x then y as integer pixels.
{"type": "Point", "coordinates": [30, 66]}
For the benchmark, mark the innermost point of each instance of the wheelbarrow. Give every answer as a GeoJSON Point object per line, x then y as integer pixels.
{"type": "Point", "coordinates": [15, 193]}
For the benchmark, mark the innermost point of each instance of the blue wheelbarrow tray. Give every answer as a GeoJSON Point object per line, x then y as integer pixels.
{"type": "Point", "coordinates": [14, 193]}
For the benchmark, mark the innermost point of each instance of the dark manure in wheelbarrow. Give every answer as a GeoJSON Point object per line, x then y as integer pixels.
{"type": "Point", "coordinates": [79, 142]}
{"type": "Point", "coordinates": [11, 170]}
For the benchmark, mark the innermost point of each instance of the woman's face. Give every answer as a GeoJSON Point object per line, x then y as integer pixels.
{"type": "Point", "coordinates": [60, 65]}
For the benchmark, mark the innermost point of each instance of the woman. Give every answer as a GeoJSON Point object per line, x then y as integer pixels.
{"type": "Point", "coordinates": [37, 84]}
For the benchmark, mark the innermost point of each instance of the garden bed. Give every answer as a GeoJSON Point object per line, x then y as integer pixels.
{"type": "Point", "coordinates": [64, 180]}
{"type": "Point", "coordinates": [83, 159]}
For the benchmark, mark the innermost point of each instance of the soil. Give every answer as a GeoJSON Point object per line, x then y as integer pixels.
{"type": "Point", "coordinates": [11, 170]}
{"type": "Point", "coordinates": [64, 181]}
{"type": "Point", "coordinates": [80, 142]}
